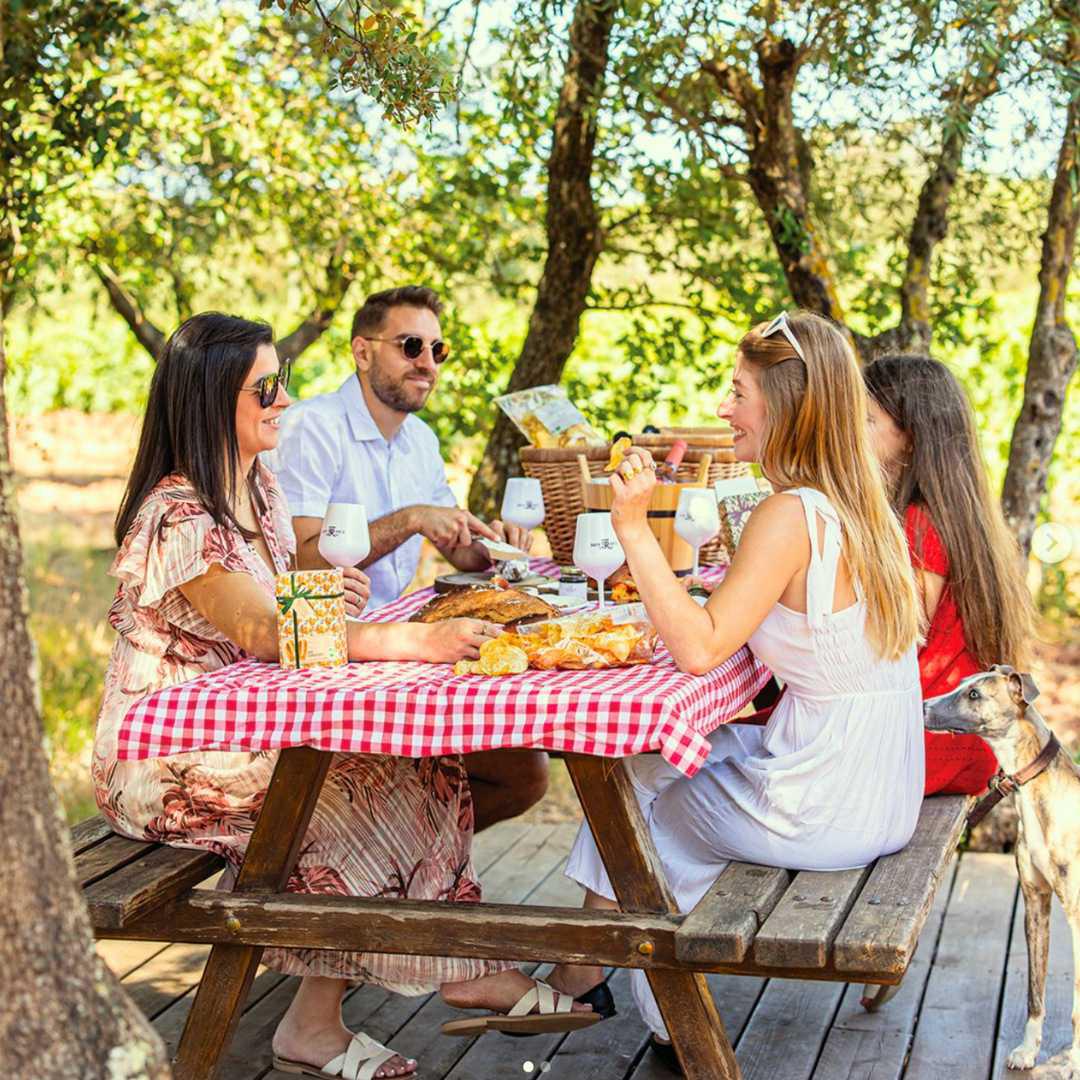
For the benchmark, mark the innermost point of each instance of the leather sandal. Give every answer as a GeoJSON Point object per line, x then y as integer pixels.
{"type": "Point", "coordinates": [666, 1053]}
{"type": "Point", "coordinates": [553, 1013]}
{"type": "Point", "coordinates": [599, 997]}
{"type": "Point", "coordinates": [362, 1059]}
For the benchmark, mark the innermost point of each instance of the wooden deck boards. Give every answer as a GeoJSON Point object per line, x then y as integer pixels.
{"type": "Point", "coordinates": [960, 1010]}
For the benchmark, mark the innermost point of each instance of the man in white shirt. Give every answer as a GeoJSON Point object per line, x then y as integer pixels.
{"type": "Point", "coordinates": [363, 444]}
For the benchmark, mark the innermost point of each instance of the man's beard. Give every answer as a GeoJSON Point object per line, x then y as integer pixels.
{"type": "Point", "coordinates": [395, 395]}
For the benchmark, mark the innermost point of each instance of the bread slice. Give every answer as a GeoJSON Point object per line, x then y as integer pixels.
{"type": "Point", "coordinates": [507, 607]}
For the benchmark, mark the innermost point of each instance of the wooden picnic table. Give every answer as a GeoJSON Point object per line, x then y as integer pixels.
{"type": "Point", "coordinates": [595, 718]}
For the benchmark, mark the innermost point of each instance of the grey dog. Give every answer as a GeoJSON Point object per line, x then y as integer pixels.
{"type": "Point", "coordinates": [998, 705]}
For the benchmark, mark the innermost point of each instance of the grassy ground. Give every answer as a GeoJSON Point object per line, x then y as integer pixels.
{"type": "Point", "coordinates": [70, 468]}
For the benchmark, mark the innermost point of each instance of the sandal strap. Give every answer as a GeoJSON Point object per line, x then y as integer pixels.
{"type": "Point", "coordinates": [361, 1060]}
{"type": "Point", "coordinates": [545, 999]}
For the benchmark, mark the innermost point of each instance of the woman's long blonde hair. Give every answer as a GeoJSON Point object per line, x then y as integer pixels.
{"type": "Point", "coordinates": [816, 436]}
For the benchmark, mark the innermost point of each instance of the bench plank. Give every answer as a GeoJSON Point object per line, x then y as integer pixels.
{"type": "Point", "coordinates": [727, 917]}
{"type": "Point", "coordinates": [800, 931]}
{"type": "Point", "coordinates": [883, 926]}
{"type": "Point", "coordinates": [88, 833]}
{"type": "Point", "coordinates": [108, 856]}
{"type": "Point", "coordinates": [162, 875]}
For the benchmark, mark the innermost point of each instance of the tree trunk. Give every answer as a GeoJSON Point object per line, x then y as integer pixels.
{"type": "Point", "coordinates": [61, 1012]}
{"type": "Point", "coordinates": [574, 241]}
{"type": "Point", "coordinates": [776, 176]}
{"type": "Point", "coordinates": [1052, 353]}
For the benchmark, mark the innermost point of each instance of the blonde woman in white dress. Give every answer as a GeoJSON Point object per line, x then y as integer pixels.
{"type": "Point", "coordinates": [821, 589]}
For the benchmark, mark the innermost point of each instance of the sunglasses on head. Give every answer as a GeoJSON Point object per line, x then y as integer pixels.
{"type": "Point", "coordinates": [412, 345]}
{"type": "Point", "coordinates": [781, 325]}
{"type": "Point", "coordinates": [267, 386]}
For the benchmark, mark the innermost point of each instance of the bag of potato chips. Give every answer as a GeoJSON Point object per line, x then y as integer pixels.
{"type": "Point", "coordinates": [615, 637]}
{"type": "Point", "coordinates": [547, 417]}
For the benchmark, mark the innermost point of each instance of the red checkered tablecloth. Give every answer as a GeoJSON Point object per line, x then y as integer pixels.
{"type": "Point", "coordinates": [422, 710]}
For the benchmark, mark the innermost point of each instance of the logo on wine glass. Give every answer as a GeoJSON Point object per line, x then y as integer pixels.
{"type": "Point", "coordinates": [333, 530]}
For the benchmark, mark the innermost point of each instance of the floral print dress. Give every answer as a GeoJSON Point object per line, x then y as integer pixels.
{"type": "Point", "coordinates": [383, 826]}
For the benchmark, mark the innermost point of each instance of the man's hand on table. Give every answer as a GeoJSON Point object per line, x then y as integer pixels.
{"type": "Point", "coordinates": [458, 639]}
{"type": "Point", "coordinates": [357, 591]}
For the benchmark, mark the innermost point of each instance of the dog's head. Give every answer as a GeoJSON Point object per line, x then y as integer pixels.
{"type": "Point", "coordinates": [987, 704]}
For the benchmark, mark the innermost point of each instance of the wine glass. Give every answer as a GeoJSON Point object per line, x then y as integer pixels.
{"type": "Point", "coordinates": [344, 540]}
{"type": "Point", "coordinates": [597, 551]}
{"type": "Point", "coordinates": [697, 518]}
{"type": "Point", "coordinates": [523, 502]}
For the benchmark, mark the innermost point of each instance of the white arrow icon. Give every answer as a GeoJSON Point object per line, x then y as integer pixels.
{"type": "Point", "coordinates": [1052, 542]}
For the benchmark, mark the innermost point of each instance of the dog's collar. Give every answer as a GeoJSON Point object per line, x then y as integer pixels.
{"type": "Point", "coordinates": [1003, 783]}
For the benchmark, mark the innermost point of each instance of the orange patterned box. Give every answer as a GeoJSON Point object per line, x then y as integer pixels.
{"type": "Point", "coordinates": [311, 619]}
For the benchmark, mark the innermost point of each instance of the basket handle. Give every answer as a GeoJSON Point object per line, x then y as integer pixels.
{"type": "Point", "coordinates": [703, 468]}
{"type": "Point", "coordinates": [583, 466]}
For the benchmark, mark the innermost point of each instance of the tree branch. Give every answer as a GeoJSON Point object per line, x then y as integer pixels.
{"type": "Point", "coordinates": [338, 280]}
{"type": "Point", "coordinates": [129, 309]}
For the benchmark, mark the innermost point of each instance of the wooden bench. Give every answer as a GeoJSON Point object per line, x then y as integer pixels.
{"type": "Point", "coordinates": [123, 880]}
{"type": "Point", "coordinates": [850, 926]}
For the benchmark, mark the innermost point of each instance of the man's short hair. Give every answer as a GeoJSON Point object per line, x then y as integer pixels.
{"type": "Point", "coordinates": [372, 315]}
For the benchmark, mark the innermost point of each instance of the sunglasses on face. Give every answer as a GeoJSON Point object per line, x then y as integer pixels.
{"type": "Point", "coordinates": [267, 386]}
{"type": "Point", "coordinates": [780, 325]}
{"type": "Point", "coordinates": [412, 346]}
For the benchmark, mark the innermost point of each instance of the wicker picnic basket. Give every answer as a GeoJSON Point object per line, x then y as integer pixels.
{"type": "Point", "coordinates": [560, 480]}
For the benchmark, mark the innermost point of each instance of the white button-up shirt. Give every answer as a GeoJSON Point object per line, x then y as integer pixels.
{"type": "Point", "coordinates": [330, 450]}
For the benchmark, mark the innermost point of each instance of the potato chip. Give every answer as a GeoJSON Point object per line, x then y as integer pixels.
{"type": "Point", "coordinates": [618, 451]}
{"type": "Point", "coordinates": [467, 667]}
{"type": "Point", "coordinates": [500, 656]}
{"type": "Point", "coordinates": [618, 643]}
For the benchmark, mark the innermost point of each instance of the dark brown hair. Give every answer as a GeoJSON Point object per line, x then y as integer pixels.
{"type": "Point", "coordinates": [372, 314]}
{"type": "Point", "coordinates": [190, 422]}
{"type": "Point", "coordinates": [946, 477]}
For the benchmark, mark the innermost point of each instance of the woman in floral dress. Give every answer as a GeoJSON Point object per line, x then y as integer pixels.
{"type": "Point", "coordinates": [202, 530]}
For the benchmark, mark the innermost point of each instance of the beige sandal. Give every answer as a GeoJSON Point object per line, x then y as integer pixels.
{"type": "Point", "coordinates": [553, 1014]}
{"type": "Point", "coordinates": [361, 1061]}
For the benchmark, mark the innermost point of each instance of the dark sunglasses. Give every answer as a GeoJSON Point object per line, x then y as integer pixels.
{"type": "Point", "coordinates": [412, 346]}
{"type": "Point", "coordinates": [267, 386]}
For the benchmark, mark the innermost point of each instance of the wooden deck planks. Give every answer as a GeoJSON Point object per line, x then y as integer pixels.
{"type": "Point", "coordinates": [958, 1024]}
{"type": "Point", "coordinates": [874, 1046]}
{"type": "Point", "coordinates": [1057, 1032]}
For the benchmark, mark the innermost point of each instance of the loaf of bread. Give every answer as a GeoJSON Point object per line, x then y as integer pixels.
{"type": "Point", "coordinates": [507, 607]}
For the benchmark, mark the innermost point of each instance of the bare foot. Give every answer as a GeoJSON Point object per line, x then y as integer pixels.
{"type": "Point", "coordinates": [575, 979]}
{"type": "Point", "coordinates": [499, 992]}
{"type": "Point", "coordinates": [319, 1046]}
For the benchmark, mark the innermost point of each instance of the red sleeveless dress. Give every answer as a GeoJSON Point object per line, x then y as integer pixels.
{"type": "Point", "coordinates": [955, 764]}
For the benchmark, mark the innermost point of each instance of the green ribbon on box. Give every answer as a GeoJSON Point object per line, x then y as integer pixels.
{"type": "Point", "coordinates": [298, 593]}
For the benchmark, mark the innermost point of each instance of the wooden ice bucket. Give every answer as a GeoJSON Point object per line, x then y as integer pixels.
{"type": "Point", "coordinates": [596, 495]}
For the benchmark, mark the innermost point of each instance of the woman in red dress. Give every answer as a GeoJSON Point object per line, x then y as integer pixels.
{"type": "Point", "coordinates": [978, 608]}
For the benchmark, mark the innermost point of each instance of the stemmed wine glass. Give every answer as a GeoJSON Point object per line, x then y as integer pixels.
{"type": "Point", "coordinates": [523, 502]}
{"type": "Point", "coordinates": [597, 551]}
{"type": "Point", "coordinates": [344, 540]}
{"type": "Point", "coordinates": [697, 518]}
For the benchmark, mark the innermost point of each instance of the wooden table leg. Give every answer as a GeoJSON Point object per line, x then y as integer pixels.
{"type": "Point", "coordinates": [268, 862]}
{"type": "Point", "coordinates": [637, 876]}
